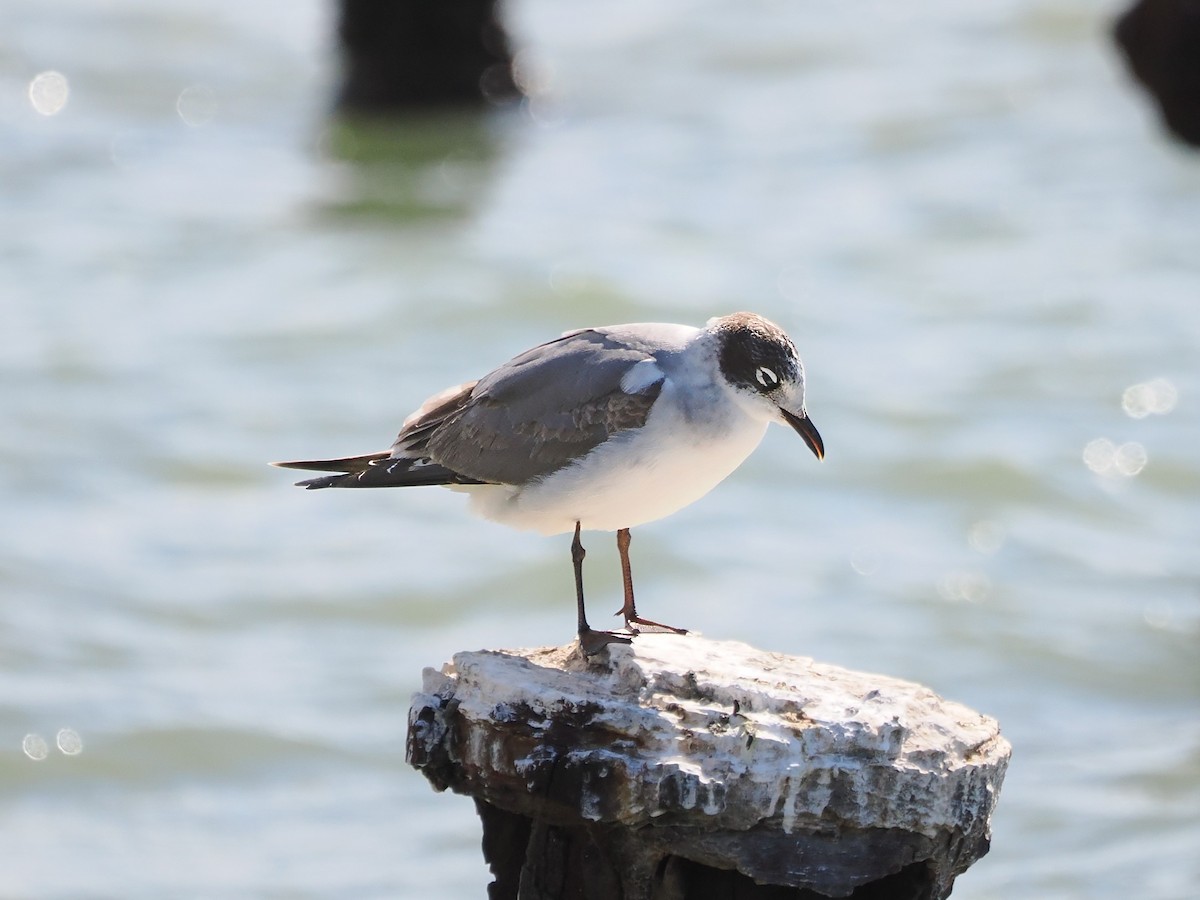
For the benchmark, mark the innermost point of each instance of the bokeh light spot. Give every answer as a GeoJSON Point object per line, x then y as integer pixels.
{"type": "Point", "coordinates": [1106, 458]}
{"type": "Point", "coordinates": [968, 586]}
{"type": "Point", "coordinates": [48, 92]}
{"type": "Point", "coordinates": [69, 741]}
{"type": "Point", "coordinates": [196, 105]}
{"type": "Point", "coordinates": [35, 747]}
{"type": "Point", "coordinates": [544, 110]}
{"type": "Point", "coordinates": [986, 537]}
{"type": "Point", "coordinates": [534, 76]}
{"type": "Point", "coordinates": [1099, 455]}
{"type": "Point", "coordinates": [1157, 397]}
{"type": "Point", "coordinates": [1130, 459]}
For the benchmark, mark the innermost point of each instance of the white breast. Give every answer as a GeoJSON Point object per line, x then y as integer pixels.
{"type": "Point", "coordinates": [638, 476]}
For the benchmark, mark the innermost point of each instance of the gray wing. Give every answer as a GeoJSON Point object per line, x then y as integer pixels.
{"type": "Point", "coordinates": [536, 413]}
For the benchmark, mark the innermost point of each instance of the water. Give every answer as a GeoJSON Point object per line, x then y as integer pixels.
{"type": "Point", "coordinates": [965, 216]}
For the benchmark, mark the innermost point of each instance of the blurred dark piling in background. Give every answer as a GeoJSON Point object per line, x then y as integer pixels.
{"type": "Point", "coordinates": [409, 54]}
{"type": "Point", "coordinates": [685, 768]}
{"type": "Point", "coordinates": [1161, 43]}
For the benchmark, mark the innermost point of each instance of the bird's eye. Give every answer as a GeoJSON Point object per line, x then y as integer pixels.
{"type": "Point", "coordinates": [768, 379]}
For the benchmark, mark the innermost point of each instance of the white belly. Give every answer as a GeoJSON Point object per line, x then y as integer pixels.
{"type": "Point", "coordinates": [638, 477]}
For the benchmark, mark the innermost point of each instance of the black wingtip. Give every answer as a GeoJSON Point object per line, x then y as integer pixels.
{"type": "Point", "coordinates": [366, 472]}
{"type": "Point", "coordinates": [344, 465]}
{"type": "Point", "coordinates": [326, 481]}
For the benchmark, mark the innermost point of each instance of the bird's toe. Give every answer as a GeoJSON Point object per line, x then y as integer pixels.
{"type": "Point", "coordinates": [637, 623]}
{"type": "Point", "coordinates": [593, 641]}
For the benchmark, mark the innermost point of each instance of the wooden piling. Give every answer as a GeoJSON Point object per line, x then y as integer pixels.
{"type": "Point", "coordinates": [680, 767]}
{"type": "Point", "coordinates": [399, 55]}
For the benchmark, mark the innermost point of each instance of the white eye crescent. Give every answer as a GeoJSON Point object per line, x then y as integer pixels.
{"type": "Point", "coordinates": [766, 377]}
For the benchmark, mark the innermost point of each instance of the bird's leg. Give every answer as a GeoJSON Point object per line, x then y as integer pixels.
{"type": "Point", "coordinates": [577, 557]}
{"type": "Point", "coordinates": [629, 610]}
{"type": "Point", "coordinates": [591, 641]}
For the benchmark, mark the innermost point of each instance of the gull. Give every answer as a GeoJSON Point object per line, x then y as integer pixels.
{"type": "Point", "coordinates": [602, 429]}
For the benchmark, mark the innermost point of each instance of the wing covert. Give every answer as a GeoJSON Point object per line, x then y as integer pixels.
{"type": "Point", "coordinates": [542, 410]}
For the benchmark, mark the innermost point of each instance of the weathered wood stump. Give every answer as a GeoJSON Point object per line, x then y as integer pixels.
{"type": "Point", "coordinates": [682, 767]}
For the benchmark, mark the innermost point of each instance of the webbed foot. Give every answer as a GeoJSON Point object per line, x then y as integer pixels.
{"type": "Point", "coordinates": [592, 641]}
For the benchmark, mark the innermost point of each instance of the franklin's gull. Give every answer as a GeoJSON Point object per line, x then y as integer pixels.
{"type": "Point", "coordinates": [604, 429]}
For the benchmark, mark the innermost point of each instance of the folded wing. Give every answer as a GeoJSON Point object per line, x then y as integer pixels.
{"type": "Point", "coordinates": [532, 416]}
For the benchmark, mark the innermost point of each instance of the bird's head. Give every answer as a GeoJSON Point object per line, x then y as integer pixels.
{"type": "Point", "coordinates": [759, 363]}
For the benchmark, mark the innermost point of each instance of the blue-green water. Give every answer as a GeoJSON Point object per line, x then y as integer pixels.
{"type": "Point", "coordinates": [965, 216]}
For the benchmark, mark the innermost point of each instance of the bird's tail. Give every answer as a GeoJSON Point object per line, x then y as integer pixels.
{"type": "Point", "coordinates": [375, 470]}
